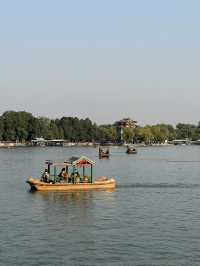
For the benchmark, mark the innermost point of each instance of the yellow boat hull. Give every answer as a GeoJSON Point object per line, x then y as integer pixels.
{"type": "Point", "coordinates": [36, 184]}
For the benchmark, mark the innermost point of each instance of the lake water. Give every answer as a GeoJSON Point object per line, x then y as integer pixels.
{"type": "Point", "coordinates": [151, 218]}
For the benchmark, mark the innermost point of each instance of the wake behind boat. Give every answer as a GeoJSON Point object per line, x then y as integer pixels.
{"type": "Point", "coordinates": [69, 178]}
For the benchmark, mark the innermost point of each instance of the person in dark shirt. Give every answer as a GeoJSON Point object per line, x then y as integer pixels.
{"type": "Point", "coordinates": [63, 174]}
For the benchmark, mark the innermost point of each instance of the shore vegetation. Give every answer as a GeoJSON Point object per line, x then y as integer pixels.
{"type": "Point", "coordinates": [23, 126]}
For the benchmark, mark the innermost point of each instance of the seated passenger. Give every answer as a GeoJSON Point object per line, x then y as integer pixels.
{"type": "Point", "coordinates": [45, 176]}
{"type": "Point", "coordinates": [85, 179]}
{"type": "Point", "coordinates": [77, 174]}
{"type": "Point", "coordinates": [63, 174]}
{"type": "Point", "coordinates": [71, 178]}
{"type": "Point", "coordinates": [78, 178]}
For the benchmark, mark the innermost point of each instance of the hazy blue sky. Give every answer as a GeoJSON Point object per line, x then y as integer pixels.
{"type": "Point", "coordinates": [102, 59]}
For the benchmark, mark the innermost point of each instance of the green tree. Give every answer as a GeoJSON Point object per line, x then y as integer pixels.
{"type": "Point", "coordinates": [16, 125]}
{"type": "Point", "coordinates": [147, 135]}
{"type": "Point", "coordinates": [184, 131]}
{"type": "Point", "coordinates": [108, 133]}
{"type": "Point", "coordinates": [128, 135]}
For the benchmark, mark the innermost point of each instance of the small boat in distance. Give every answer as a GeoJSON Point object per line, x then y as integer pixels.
{"type": "Point", "coordinates": [131, 149]}
{"type": "Point", "coordinates": [69, 178]}
{"type": "Point", "coordinates": [104, 153]}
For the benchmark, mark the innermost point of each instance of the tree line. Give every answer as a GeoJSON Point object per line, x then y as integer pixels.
{"type": "Point", "coordinates": [23, 126]}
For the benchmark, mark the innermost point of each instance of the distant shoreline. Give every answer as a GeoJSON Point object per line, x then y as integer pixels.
{"type": "Point", "coordinates": [8, 144]}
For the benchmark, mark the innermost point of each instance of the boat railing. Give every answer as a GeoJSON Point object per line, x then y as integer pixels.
{"type": "Point", "coordinates": [69, 179]}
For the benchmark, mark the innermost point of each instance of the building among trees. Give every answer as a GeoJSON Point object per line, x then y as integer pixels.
{"type": "Point", "coordinates": [124, 124]}
{"type": "Point", "coordinates": [23, 128]}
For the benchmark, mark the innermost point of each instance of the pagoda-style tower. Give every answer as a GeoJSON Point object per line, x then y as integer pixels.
{"type": "Point", "coordinates": [122, 124]}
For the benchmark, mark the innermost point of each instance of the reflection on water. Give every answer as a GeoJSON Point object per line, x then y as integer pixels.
{"type": "Point", "coordinates": [64, 196]}
{"type": "Point", "coordinates": [82, 204]}
{"type": "Point", "coordinates": [151, 218]}
{"type": "Point", "coordinates": [77, 196]}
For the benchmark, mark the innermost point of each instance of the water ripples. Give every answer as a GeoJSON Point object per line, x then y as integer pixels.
{"type": "Point", "coordinates": [151, 218]}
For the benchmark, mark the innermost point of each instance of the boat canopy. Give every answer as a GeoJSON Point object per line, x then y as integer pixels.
{"type": "Point", "coordinates": [80, 161]}
{"type": "Point", "coordinates": [73, 161]}
{"type": "Point", "coordinates": [56, 164]}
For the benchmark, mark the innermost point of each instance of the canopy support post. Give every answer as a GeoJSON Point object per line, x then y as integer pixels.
{"type": "Point", "coordinates": [54, 174]}
{"type": "Point", "coordinates": [73, 176]}
{"type": "Point", "coordinates": [91, 173]}
{"type": "Point", "coordinates": [48, 168]}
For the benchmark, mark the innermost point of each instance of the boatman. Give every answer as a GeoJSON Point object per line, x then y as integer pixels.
{"type": "Point", "coordinates": [45, 176]}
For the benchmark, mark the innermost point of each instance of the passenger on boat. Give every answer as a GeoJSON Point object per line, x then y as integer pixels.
{"type": "Point", "coordinates": [71, 178]}
{"type": "Point", "coordinates": [63, 174]}
{"type": "Point", "coordinates": [85, 179]}
{"type": "Point", "coordinates": [77, 174]}
{"type": "Point", "coordinates": [77, 177]}
{"type": "Point", "coordinates": [45, 176]}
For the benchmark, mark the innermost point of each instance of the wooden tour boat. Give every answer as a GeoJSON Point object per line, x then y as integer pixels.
{"type": "Point", "coordinates": [69, 178]}
{"type": "Point", "coordinates": [104, 153]}
{"type": "Point", "coordinates": [131, 150]}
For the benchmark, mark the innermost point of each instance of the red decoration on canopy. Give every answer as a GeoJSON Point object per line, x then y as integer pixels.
{"type": "Point", "coordinates": [83, 163]}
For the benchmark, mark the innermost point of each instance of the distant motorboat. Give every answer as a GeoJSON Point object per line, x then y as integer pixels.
{"type": "Point", "coordinates": [131, 149]}
{"type": "Point", "coordinates": [104, 152]}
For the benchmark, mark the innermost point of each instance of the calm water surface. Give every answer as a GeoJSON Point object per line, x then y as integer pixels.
{"type": "Point", "coordinates": [152, 218]}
